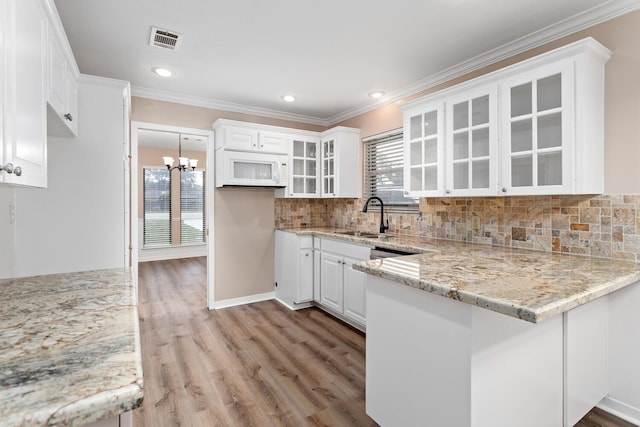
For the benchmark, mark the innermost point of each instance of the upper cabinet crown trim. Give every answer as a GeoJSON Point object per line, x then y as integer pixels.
{"type": "Point", "coordinates": [587, 45]}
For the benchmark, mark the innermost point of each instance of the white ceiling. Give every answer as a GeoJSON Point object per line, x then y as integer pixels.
{"type": "Point", "coordinates": [243, 55]}
{"type": "Point", "coordinates": [171, 140]}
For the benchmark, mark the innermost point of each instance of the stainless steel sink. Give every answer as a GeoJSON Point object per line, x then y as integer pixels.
{"type": "Point", "coordinates": [359, 233]}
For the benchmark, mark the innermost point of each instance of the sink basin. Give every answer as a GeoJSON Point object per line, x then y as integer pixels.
{"type": "Point", "coordinates": [359, 233]}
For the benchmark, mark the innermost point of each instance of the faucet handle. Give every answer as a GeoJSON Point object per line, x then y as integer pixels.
{"type": "Point", "coordinates": [384, 227]}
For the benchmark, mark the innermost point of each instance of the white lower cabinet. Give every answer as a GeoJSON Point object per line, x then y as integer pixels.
{"type": "Point", "coordinates": [315, 271]}
{"type": "Point", "coordinates": [354, 292]}
{"type": "Point", "coordinates": [294, 269]}
{"type": "Point", "coordinates": [477, 368]}
{"type": "Point", "coordinates": [342, 289]}
{"type": "Point", "coordinates": [331, 281]}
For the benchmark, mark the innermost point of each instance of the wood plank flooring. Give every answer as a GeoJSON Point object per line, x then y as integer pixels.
{"type": "Point", "coordinates": [253, 365]}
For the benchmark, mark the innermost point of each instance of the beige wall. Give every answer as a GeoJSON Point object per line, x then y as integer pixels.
{"type": "Point", "coordinates": [622, 100]}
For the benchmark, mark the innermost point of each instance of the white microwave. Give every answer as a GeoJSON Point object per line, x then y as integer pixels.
{"type": "Point", "coordinates": [238, 168]}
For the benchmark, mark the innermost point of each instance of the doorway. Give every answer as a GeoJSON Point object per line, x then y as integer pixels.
{"type": "Point", "coordinates": [172, 211]}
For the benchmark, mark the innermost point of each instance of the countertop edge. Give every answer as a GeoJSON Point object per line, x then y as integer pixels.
{"type": "Point", "coordinates": [533, 315]}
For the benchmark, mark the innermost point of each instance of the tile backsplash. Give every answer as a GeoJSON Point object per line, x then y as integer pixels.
{"type": "Point", "coordinates": [605, 226]}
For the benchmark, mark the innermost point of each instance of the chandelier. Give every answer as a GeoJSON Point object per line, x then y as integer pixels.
{"type": "Point", "coordinates": [184, 163]}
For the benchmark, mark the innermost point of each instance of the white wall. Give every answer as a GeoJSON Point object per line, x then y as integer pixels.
{"type": "Point", "coordinates": [78, 221]}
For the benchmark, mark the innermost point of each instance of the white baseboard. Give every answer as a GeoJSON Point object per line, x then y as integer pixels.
{"type": "Point", "coordinates": [297, 306]}
{"type": "Point", "coordinates": [620, 410]}
{"type": "Point", "coordinates": [160, 254]}
{"type": "Point", "coordinates": [244, 300]}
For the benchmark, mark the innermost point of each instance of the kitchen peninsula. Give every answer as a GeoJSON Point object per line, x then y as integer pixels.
{"type": "Point", "coordinates": [476, 335]}
{"type": "Point", "coordinates": [471, 335]}
{"type": "Point", "coordinates": [69, 349]}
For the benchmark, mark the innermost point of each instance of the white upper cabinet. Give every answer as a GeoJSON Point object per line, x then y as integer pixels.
{"type": "Point", "coordinates": [472, 143]}
{"type": "Point", "coordinates": [424, 150]}
{"type": "Point", "coordinates": [62, 94]}
{"type": "Point", "coordinates": [240, 136]}
{"type": "Point", "coordinates": [38, 69]}
{"type": "Point", "coordinates": [304, 171]}
{"type": "Point", "coordinates": [536, 127]}
{"type": "Point", "coordinates": [24, 125]}
{"type": "Point", "coordinates": [341, 170]}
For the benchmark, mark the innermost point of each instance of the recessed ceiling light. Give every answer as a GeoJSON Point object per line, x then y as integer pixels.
{"type": "Point", "coordinates": [377, 94]}
{"type": "Point", "coordinates": [163, 72]}
{"type": "Point", "coordinates": [288, 98]}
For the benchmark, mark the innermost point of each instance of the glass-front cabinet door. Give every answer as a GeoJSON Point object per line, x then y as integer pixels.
{"type": "Point", "coordinates": [537, 135]}
{"type": "Point", "coordinates": [303, 178]}
{"type": "Point", "coordinates": [328, 168]}
{"type": "Point", "coordinates": [471, 148]}
{"type": "Point", "coordinates": [424, 151]}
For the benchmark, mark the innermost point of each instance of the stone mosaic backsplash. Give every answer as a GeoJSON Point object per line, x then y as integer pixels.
{"type": "Point", "coordinates": [604, 226]}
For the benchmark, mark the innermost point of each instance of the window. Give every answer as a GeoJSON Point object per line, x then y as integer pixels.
{"type": "Point", "coordinates": [192, 227]}
{"type": "Point", "coordinates": [159, 210]}
{"type": "Point", "coordinates": [157, 207]}
{"type": "Point", "coordinates": [384, 169]}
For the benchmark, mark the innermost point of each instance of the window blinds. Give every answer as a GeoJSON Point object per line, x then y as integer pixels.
{"type": "Point", "coordinates": [192, 218]}
{"type": "Point", "coordinates": [157, 207]}
{"type": "Point", "coordinates": [384, 169]}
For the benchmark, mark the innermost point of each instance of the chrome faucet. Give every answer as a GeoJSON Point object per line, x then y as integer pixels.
{"type": "Point", "coordinates": [366, 206]}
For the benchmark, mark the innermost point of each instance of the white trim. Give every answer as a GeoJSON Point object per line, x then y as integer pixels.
{"type": "Point", "coordinates": [174, 252]}
{"type": "Point", "coordinates": [163, 95]}
{"type": "Point", "coordinates": [183, 251]}
{"type": "Point", "coordinates": [620, 410]}
{"type": "Point", "coordinates": [297, 306]}
{"type": "Point", "coordinates": [244, 300]}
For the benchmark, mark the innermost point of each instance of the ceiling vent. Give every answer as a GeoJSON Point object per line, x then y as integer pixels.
{"type": "Point", "coordinates": [165, 38]}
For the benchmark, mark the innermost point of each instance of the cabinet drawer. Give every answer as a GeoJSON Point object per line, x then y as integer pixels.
{"type": "Point", "coordinates": [351, 250]}
{"type": "Point", "coordinates": [305, 242]}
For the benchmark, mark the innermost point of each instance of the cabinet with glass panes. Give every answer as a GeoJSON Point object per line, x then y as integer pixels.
{"type": "Point", "coordinates": [303, 161]}
{"type": "Point", "coordinates": [539, 140]}
{"type": "Point", "coordinates": [472, 136]}
{"type": "Point", "coordinates": [535, 127]}
{"type": "Point", "coordinates": [341, 170]}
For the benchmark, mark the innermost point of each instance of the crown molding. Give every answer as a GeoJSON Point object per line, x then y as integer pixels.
{"type": "Point", "coordinates": [545, 35]}
{"type": "Point", "coordinates": [586, 19]}
{"type": "Point", "coordinates": [161, 95]}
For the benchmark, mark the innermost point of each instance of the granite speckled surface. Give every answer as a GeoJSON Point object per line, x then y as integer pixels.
{"type": "Point", "coordinates": [69, 348]}
{"type": "Point", "coordinates": [529, 285]}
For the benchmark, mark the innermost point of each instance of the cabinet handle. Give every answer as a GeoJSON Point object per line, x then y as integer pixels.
{"type": "Point", "coordinates": [504, 190]}
{"type": "Point", "coordinates": [69, 117]}
{"type": "Point", "coordinates": [307, 254]}
{"type": "Point", "coordinates": [447, 191]}
{"type": "Point", "coordinates": [8, 168]}
{"type": "Point", "coordinates": [406, 192]}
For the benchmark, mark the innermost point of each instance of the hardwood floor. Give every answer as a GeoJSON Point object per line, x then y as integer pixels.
{"type": "Point", "coordinates": [253, 365]}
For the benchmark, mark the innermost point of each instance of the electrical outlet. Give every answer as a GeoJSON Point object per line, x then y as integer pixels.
{"type": "Point", "coordinates": [475, 223]}
{"type": "Point", "coordinates": [428, 219]}
{"type": "Point", "coordinates": [12, 213]}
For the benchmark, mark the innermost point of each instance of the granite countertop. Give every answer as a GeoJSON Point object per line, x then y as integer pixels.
{"type": "Point", "coordinates": [69, 348]}
{"type": "Point", "coordinates": [529, 285]}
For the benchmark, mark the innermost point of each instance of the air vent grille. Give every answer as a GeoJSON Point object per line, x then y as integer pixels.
{"type": "Point", "coordinates": [165, 39]}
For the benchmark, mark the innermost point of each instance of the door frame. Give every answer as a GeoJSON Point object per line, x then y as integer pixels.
{"type": "Point", "coordinates": [209, 199]}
